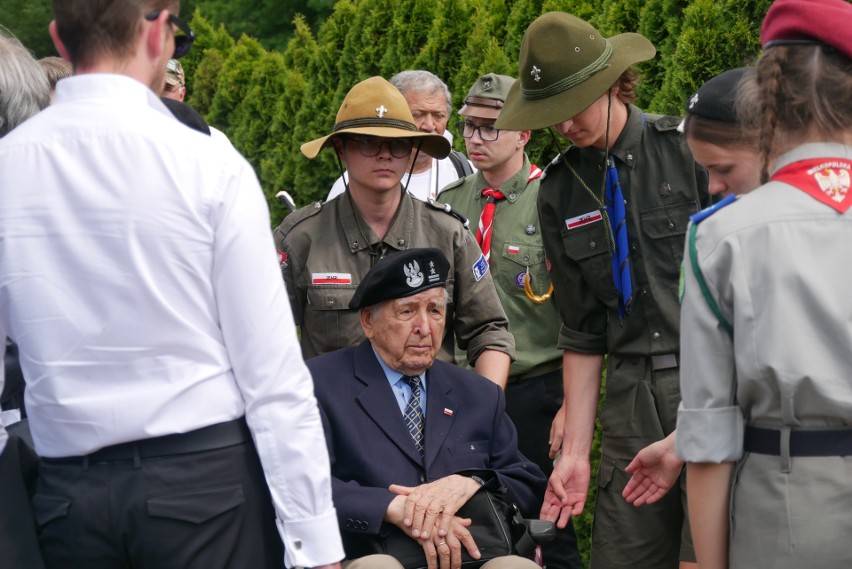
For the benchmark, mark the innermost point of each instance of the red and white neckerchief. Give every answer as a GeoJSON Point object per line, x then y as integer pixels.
{"type": "Point", "coordinates": [827, 180]}
{"type": "Point", "coordinates": [486, 220]}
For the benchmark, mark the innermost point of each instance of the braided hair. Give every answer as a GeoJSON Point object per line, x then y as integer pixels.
{"type": "Point", "coordinates": [799, 93]}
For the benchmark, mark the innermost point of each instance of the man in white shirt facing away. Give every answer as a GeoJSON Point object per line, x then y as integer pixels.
{"type": "Point", "coordinates": [431, 103]}
{"type": "Point", "coordinates": [166, 391]}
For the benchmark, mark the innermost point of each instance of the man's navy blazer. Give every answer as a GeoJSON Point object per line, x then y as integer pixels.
{"type": "Point", "coordinates": [370, 447]}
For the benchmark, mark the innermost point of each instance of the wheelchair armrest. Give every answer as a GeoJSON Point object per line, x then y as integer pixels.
{"type": "Point", "coordinates": [541, 530]}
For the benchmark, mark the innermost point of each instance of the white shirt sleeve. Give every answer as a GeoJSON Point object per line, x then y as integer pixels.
{"type": "Point", "coordinates": [277, 388]}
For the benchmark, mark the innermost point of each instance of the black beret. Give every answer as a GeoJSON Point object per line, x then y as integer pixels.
{"type": "Point", "coordinates": [716, 99]}
{"type": "Point", "coordinates": [402, 274]}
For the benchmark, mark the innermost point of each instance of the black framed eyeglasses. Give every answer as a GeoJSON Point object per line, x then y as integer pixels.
{"type": "Point", "coordinates": [182, 42]}
{"type": "Point", "coordinates": [371, 146]}
{"type": "Point", "coordinates": [486, 132]}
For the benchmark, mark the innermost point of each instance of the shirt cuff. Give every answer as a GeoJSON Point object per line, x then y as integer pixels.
{"type": "Point", "coordinates": [311, 542]}
{"type": "Point", "coordinates": [581, 342]}
{"type": "Point", "coordinates": [499, 341]}
{"type": "Point", "coordinates": [710, 435]}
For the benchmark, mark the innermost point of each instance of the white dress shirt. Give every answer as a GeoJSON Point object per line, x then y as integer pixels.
{"type": "Point", "coordinates": [139, 279]}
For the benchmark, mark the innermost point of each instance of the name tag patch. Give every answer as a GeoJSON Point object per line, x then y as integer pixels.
{"type": "Point", "coordinates": [584, 219]}
{"type": "Point", "coordinates": [331, 278]}
{"type": "Point", "coordinates": [480, 268]}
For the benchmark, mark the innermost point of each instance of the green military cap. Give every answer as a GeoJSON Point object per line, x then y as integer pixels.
{"type": "Point", "coordinates": [486, 97]}
{"type": "Point", "coordinates": [565, 65]}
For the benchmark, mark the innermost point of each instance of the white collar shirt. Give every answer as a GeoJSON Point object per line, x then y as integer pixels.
{"type": "Point", "coordinates": [139, 278]}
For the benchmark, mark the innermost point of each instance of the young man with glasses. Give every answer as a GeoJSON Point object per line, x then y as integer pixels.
{"type": "Point", "coordinates": [326, 249]}
{"type": "Point", "coordinates": [500, 202]}
{"type": "Point", "coordinates": [164, 388]}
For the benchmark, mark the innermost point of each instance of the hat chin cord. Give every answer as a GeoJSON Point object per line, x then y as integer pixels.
{"type": "Point", "coordinates": [411, 169]}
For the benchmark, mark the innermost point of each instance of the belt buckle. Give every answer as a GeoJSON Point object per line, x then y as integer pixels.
{"type": "Point", "coordinates": [664, 361]}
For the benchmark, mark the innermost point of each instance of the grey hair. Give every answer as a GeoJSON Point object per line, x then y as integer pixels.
{"type": "Point", "coordinates": [24, 89]}
{"type": "Point", "coordinates": [420, 80]}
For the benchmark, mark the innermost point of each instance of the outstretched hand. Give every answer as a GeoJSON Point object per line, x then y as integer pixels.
{"type": "Point", "coordinates": [655, 469]}
{"type": "Point", "coordinates": [566, 490]}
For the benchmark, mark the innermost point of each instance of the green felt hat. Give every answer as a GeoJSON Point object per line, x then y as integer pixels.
{"type": "Point", "coordinates": [565, 65]}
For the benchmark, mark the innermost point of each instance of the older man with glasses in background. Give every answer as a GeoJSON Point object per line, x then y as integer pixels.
{"type": "Point", "coordinates": [166, 394]}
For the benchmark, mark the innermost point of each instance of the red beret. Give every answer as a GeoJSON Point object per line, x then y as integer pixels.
{"type": "Point", "coordinates": [810, 20]}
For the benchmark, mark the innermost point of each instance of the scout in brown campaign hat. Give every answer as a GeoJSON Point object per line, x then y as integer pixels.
{"type": "Point", "coordinates": [374, 107]}
{"type": "Point", "coordinates": [565, 65]}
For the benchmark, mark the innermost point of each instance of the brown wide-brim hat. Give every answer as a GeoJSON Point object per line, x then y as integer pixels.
{"type": "Point", "coordinates": [566, 65]}
{"type": "Point", "coordinates": [374, 107]}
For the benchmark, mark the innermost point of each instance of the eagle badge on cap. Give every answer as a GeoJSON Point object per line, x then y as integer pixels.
{"type": "Point", "coordinates": [486, 85]}
{"type": "Point", "coordinates": [414, 274]}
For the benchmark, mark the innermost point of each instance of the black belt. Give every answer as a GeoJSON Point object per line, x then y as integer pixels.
{"type": "Point", "coordinates": [213, 437]}
{"type": "Point", "coordinates": [664, 361]}
{"type": "Point", "coordinates": [826, 442]}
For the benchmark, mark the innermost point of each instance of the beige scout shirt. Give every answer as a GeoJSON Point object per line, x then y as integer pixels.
{"type": "Point", "coordinates": [777, 262]}
{"type": "Point", "coordinates": [325, 255]}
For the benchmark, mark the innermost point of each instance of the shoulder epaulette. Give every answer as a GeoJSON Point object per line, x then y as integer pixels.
{"type": "Point", "coordinates": [449, 210]}
{"type": "Point", "coordinates": [298, 216]}
{"type": "Point", "coordinates": [553, 164]}
{"type": "Point", "coordinates": [697, 218]}
{"type": "Point", "coordinates": [454, 184]}
{"type": "Point", "coordinates": [664, 123]}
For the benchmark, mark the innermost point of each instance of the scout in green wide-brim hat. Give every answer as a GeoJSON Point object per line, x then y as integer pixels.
{"type": "Point", "coordinates": [374, 107]}
{"type": "Point", "coordinates": [564, 66]}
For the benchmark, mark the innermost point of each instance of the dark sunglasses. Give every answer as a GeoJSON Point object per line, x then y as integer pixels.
{"type": "Point", "coordinates": [182, 42]}
{"type": "Point", "coordinates": [371, 146]}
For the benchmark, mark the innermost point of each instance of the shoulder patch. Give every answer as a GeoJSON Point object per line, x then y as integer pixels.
{"type": "Point", "coordinates": [697, 218]}
{"type": "Point", "coordinates": [435, 204]}
{"type": "Point", "coordinates": [297, 217]}
{"type": "Point", "coordinates": [664, 123]}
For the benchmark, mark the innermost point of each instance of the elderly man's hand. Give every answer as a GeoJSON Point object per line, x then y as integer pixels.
{"type": "Point", "coordinates": [441, 552]}
{"type": "Point", "coordinates": [424, 504]}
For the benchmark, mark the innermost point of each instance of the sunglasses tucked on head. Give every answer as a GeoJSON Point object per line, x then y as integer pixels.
{"type": "Point", "coordinates": [182, 42]}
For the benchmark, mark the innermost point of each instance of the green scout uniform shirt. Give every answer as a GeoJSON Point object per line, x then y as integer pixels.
{"type": "Point", "coordinates": [325, 255]}
{"type": "Point", "coordinates": [662, 186]}
{"type": "Point", "coordinates": [516, 245]}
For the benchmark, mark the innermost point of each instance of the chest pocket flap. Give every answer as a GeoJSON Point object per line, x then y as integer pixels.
{"type": "Point", "coordinates": [330, 297]}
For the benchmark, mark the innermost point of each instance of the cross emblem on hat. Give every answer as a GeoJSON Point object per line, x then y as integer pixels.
{"type": "Point", "coordinates": [381, 110]}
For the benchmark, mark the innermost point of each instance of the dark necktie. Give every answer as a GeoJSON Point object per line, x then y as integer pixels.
{"type": "Point", "coordinates": [617, 218]}
{"type": "Point", "coordinates": [414, 413]}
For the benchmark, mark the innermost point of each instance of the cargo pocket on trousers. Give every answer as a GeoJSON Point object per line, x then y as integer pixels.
{"type": "Point", "coordinates": [48, 508]}
{"type": "Point", "coordinates": [606, 470]}
{"type": "Point", "coordinates": [196, 507]}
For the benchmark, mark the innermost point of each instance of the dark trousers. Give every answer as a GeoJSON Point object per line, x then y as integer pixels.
{"type": "Point", "coordinates": [532, 404]}
{"type": "Point", "coordinates": [199, 510]}
{"type": "Point", "coordinates": [18, 542]}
